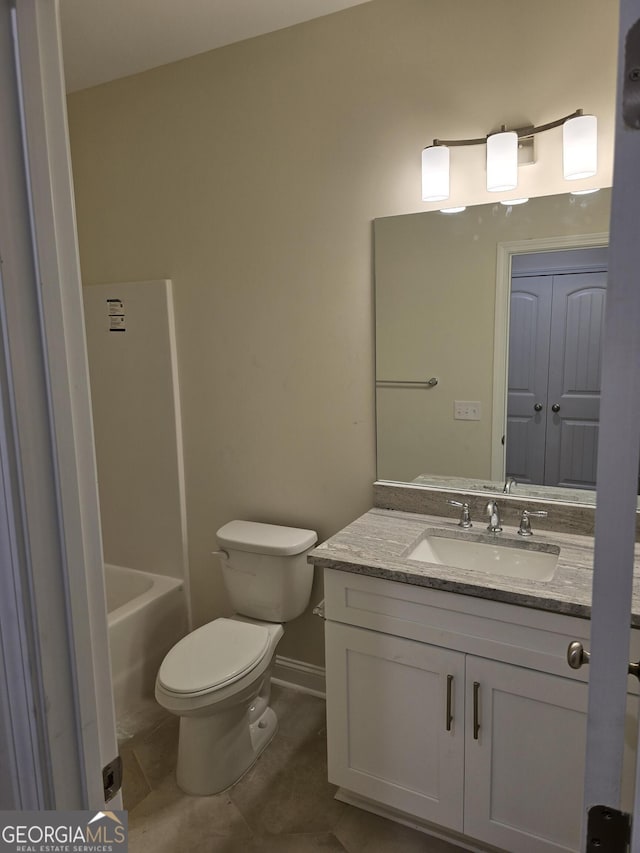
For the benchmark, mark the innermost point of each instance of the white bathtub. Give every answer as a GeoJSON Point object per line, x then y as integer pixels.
{"type": "Point", "coordinates": [147, 615]}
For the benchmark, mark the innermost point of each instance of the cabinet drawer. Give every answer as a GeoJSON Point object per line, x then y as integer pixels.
{"type": "Point", "coordinates": [536, 639]}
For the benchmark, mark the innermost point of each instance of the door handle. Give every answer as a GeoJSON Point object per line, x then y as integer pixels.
{"type": "Point", "coordinates": [537, 407]}
{"type": "Point", "coordinates": [476, 712]}
{"type": "Point", "coordinates": [577, 655]}
{"type": "Point", "coordinates": [449, 701]}
{"type": "Point", "coordinates": [555, 408]}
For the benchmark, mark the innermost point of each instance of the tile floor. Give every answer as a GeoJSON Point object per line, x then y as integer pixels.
{"type": "Point", "coordinates": [284, 804]}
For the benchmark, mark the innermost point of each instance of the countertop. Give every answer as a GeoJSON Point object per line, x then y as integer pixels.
{"type": "Point", "coordinates": [376, 543]}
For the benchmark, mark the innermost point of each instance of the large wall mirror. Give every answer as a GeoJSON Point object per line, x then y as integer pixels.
{"type": "Point", "coordinates": [456, 302]}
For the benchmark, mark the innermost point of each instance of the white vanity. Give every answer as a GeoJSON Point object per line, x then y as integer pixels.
{"type": "Point", "coordinates": [450, 702]}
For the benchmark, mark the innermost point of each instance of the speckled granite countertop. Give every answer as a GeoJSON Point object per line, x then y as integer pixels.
{"type": "Point", "coordinates": [376, 544]}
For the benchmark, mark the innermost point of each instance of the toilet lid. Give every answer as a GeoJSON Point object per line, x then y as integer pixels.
{"type": "Point", "coordinates": [259, 538]}
{"type": "Point", "coordinates": [216, 654]}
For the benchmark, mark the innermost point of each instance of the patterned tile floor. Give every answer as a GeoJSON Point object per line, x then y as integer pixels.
{"type": "Point", "coordinates": [284, 804]}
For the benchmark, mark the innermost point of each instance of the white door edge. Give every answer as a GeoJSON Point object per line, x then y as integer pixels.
{"type": "Point", "coordinates": [48, 365]}
{"type": "Point", "coordinates": [618, 456]}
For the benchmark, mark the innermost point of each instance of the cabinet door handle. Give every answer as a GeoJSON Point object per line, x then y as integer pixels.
{"type": "Point", "coordinates": [449, 701]}
{"type": "Point", "coordinates": [476, 698]}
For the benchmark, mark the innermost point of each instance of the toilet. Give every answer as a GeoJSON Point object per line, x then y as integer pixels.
{"type": "Point", "coordinates": [217, 679]}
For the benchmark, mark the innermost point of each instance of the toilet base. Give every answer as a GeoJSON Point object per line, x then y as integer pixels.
{"type": "Point", "coordinates": [215, 752]}
{"type": "Point", "coordinates": [263, 731]}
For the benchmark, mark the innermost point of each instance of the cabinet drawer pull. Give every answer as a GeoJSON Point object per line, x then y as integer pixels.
{"type": "Point", "coordinates": [449, 697]}
{"type": "Point", "coordinates": [476, 697]}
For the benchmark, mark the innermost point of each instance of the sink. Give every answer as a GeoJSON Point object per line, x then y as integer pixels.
{"type": "Point", "coordinates": [478, 552]}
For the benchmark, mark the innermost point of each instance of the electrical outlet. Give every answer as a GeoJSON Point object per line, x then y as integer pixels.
{"type": "Point", "coordinates": [466, 410]}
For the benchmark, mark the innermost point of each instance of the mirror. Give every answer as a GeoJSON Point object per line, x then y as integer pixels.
{"type": "Point", "coordinates": [442, 294]}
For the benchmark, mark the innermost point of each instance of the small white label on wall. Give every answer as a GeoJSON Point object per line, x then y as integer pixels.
{"type": "Point", "coordinates": [115, 312]}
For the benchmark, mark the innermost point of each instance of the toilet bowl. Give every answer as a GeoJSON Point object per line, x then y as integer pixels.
{"type": "Point", "coordinates": [217, 679]}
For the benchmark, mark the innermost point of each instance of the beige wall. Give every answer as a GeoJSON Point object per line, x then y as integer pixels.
{"type": "Point", "coordinates": [250, 176]}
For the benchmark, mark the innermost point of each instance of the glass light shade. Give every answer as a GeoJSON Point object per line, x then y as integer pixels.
{"type": "Point", "coordinates": [502, 161]}
{"type": "Point", "coordinates": [435, 173]}
{"type": "Point", "coordinates": [452, 209]}
{"type": "Point", "coordinates": [580, 147]}
{"type": "Point", "coordinates": [511, 201]}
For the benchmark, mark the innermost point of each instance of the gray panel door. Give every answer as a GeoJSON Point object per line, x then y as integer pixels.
{"type": "Point", "coordinates": [529, 330]}
{"type": "Point", "coordinates": [555, 353]}
{"type": "Point", "coordinates": [577, 328]}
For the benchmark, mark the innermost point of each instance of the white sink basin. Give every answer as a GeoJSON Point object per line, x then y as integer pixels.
{"type": "Point", "coordinates": [512, 559]}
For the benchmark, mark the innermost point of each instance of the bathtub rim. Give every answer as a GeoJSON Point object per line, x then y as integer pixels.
{"type": "Point", "coordinates": [160, 585]}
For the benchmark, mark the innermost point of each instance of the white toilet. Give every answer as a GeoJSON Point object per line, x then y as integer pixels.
{"type": "Point", "coordinates": [217, 679]}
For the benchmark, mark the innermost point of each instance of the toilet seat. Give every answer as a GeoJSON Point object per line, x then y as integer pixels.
{"type": "Point", "coordinates": [213, 656]}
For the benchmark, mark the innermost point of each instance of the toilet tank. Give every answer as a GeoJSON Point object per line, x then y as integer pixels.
{"type": "Point", "coordinates": [266, 572]}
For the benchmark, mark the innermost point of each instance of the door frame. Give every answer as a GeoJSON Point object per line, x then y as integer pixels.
{"type": "Point", "coordinates": [57, 565]}
{"type": "Point", "coordinates": [505, 253]}
{"type": "Point", "coordinates": [548, 275]}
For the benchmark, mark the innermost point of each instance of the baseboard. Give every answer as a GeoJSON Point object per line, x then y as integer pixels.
{"type": "Point", "coordinates": [299, 675]}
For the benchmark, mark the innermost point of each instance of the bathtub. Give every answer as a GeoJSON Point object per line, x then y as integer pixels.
{"type": "Point", "coordinates": [147, 615]}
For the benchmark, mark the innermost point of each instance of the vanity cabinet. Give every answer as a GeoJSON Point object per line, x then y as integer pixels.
{"type": "Point", "coordinates": [457, 712]}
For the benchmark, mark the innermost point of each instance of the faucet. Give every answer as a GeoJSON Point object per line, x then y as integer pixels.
{"type": "Point", "coordinates": [509, 484]}
{"type": "Point", "coordinates": [525, 524]}
{"type": "Point", "coordinates": [465, 515]}
{"type": "Point", "coordinates": [494, 517]}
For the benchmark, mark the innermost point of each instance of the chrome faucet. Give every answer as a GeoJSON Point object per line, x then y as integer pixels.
{"type": "Point", "coordinates": [465, 515]}
{"type": "Point", "coordinates": [525, 523]}
{"type": "Point", "coordinates": [509, 484]}
{"type": "Point", "coordinates": [494, 517]}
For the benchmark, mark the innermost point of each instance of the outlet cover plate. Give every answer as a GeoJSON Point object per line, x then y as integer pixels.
{"type": "Point", "coordinates": [467, 410]}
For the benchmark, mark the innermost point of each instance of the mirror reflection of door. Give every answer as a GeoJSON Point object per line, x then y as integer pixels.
{"type": "Point", "coordinates": [555, 347]}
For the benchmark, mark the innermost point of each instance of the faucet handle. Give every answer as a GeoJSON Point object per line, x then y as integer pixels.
{"type": "Point", "coordinates": [465, 515]}
{"type": "Point", "coordinates": [525, 523]}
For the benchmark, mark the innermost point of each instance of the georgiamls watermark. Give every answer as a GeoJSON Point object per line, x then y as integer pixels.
{"type": "Point", "coordinates": [63, 832]}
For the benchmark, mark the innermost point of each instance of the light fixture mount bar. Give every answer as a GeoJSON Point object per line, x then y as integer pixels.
{"type": "Point", "coordinates": [522, 132]}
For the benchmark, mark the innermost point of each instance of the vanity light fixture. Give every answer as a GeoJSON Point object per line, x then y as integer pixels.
{"type": "Point", "coordinates": [579, 155]}
{"type": "Point", "coordinates": [502, 161]}
{"type": "Point", "coordinates": [435, 173]}
{"type": "Point", "coordinates": [580, 147]}
{"type": "Point", "coordinates": [585, 192]}
{"type": "Point", "coordinates": [453, 209]}
{"type": "Point", "coordinates": [510, 201]}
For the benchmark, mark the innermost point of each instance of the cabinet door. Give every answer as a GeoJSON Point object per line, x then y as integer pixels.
{"type": "Point", "coordinates": [388, 733]}
{"type": "Point", "coordinates": [525, 767]}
